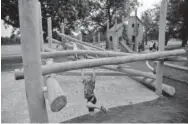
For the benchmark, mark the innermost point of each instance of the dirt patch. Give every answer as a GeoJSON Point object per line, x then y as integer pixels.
{"type": "Point", "coordinates": [163, 110]}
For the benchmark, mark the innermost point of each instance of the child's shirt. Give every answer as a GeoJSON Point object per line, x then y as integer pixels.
{"type": "Point", "coordinates": [89, 86]}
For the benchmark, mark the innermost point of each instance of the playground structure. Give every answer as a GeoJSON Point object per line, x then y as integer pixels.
{"type": "Point", "coordinates": [39, 79]}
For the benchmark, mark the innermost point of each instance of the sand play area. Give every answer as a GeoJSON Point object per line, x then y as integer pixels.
{"type": "Point", "coordinates": [111, 91]}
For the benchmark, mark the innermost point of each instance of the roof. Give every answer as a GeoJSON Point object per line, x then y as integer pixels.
{"type": "Point", "coordinates": [118, 26]}
{"type": "Point", "coordinates": [138, 19]}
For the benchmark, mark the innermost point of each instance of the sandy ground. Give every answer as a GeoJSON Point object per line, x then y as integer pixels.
{"type": "Point", "coordinates": [110, 91]}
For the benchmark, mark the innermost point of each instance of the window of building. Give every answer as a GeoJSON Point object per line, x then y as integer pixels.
{"type": "Point", "coordinates": [110, 38]}
{"type": "Point", "coordinates": [133, 25]}
{"type": "Point", "coordinates": [138, 25]}
{"type": "Point", "coordinates": [120, 38]}
{"type": "Point", "coordinates": [133, 39]}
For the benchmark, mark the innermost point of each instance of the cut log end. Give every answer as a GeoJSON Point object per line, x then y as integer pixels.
{"type": "Point", "coordinates": [58, 103]}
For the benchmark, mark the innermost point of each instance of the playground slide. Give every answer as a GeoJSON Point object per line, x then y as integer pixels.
{"type": "Point", "coordinates": [125, 46]}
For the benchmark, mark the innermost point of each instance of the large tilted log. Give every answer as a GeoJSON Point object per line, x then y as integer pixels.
{"type": "Point", "coordinates": [151, 83]}
{"type": "Point", "coordinates": [67, 66]}
{"type": "Point", "coordinates": [79, 41]}
{"type": "Point", "coordinates": [56, 96]}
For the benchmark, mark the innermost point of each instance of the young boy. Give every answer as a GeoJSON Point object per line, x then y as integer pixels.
{"type": "Point", "coordinates": [89, 86]}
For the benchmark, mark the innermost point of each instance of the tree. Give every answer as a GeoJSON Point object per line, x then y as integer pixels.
{"type": "Point", "coordinates": [177, 20]}
{"type": "Point", "coordinates": [150, 19]}
{"type": "Point", "coordinates": [58, 10]}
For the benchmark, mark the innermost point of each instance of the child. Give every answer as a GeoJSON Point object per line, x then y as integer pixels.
{"type": "Point", "coordinates": [89, 86]}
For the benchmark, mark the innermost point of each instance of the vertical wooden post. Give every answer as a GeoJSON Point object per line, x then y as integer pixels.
{"type": "Point", "coordinates": [30, 44]}
{"type": "Point", "coordinates": [41, 29]}
{"type": "Point", "coordinates": [107, 37]}
{"type": "Point", "coordinates": [115, 37]}
{"type": "Point", "coordinates": [50, 32]}
{"type": "Point", "coordinates": [80, 36]}
{"type": "Point", "coordinates": [99, 37]}
{"type": "Point", "coordinates": [162, 29]}
{"type": "Point", "coordinates": [62, 30]}
{"type": "Point", "coordinates": [93, 39]}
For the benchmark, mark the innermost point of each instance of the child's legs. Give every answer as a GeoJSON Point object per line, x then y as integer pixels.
{"type": "Point", "coordinates": [91, 104]}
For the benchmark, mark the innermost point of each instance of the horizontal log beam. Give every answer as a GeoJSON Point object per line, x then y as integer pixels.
{"type": "Point", "coordinates": [98, 73]}
{"type": "Point", "coordinates": [79, 41]}
{"type": "Point", "coordinates": [131, 72]}
{"type": "Point", "coordinates": [50, 53]}
{"type": "Point", "coordinates": [151, 83]}
{"type": "Point", "coordinates": [67, 66]}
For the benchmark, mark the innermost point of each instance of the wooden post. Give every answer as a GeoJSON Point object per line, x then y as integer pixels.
{"type": "Point", "coordinates": [99, 40]}
{"type": "Point", "coordinates": [41, 29]}
{"type": "Point", "coordinates": [94, 39]}
{"type": "Point", "coordinates": [107, 37]}
{"type": "Point", "coordinates": [62, 30]}
{"type": "Point", "coordinates": [162, 30]}
{"type": "Point", "coordinates": [50, 32]}
{"type": "Point", "coordinates": [80, 36]}
{"type": "Point", "coordinates": [115, 37]}
{"type": "Point", "coordinates": [30, 37]}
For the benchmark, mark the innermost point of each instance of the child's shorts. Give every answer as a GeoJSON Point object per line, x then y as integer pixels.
{"type": "Point", "coordinates": [93, 100]}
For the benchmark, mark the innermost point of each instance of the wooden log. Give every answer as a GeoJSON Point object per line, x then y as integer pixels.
{"type": "Point", "coordinates": [67, 66]}
{"type": "Point", "coordinates": [55, 54]}
{"type": "Point", "coordinates": [30, 45]}
{"type": "Point", "coordinates": [63, 41]}
{"type": "Point", "coordinates": [41, 29]}
{"type": "Point", "coordinates": [151, 83]}
{"type": "Point", "coordinates": [49, 31]}
{"type": "Point", "coordinates": [51, 53]}
{"type": "Point", "coordinates": [98, 73]}
{"type": "Point", "coordinates": [162, 30]}
{"type": "Point", "coordinates": [99, 38]}
{"type": "Point", "coordinates": [54, 40]}
{"type": "Point", "coordinates": [80, 42]}
{"type": "Point", "coordinates": [176, 66]}
{"type": "Point", "coordinates": [132, 72]}
{"type": "Point", "coordinates": [56, 96]}
{"type": "Point", "coordinates": [49, 50]}
{"type": "Point", "coordinates": [80, 36]}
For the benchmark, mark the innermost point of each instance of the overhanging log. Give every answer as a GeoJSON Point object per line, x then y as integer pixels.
{"type": "Point", "coordinates": [67, 66]}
